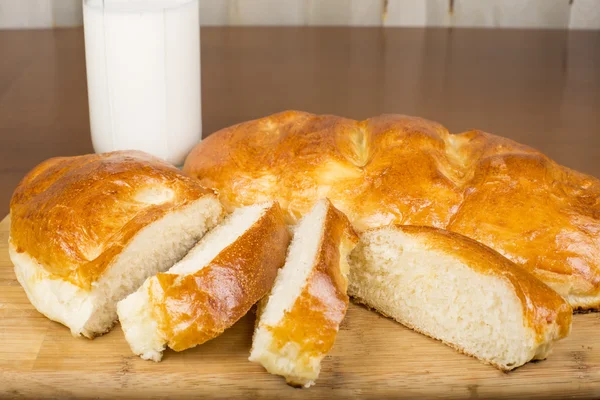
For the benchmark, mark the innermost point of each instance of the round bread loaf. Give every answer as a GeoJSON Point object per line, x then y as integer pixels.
{"type": "Point", "coordinates": [395, 169]}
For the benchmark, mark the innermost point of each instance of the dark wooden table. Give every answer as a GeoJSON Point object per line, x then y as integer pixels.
{"type": "Point", "coordinates": [541, 88]}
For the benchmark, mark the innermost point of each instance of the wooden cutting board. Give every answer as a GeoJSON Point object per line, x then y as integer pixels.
{"type": "Point", "coordinates": [373, 357]}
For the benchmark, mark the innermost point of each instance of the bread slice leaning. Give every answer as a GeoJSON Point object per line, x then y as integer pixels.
{"type": "Point", "coordinates": [87, 231]}
{"type": "Point", "coordinates": [298, 322]}
{"type": "Point", "coordinates": [219, 280]}
{"type": "Point", "coordinates": [459, 291]}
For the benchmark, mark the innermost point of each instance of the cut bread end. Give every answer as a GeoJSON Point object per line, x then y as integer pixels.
{"type": "Point", "coordinates": [137, 313]}
{"type": "Point", "coordinates": [307, 302]}
{"type": "Point", "coordinates": [140, 325]}
{"type": "Point", "coordinates": [154, 248]}
{"type": "Point", "coordinates": [441, 295]}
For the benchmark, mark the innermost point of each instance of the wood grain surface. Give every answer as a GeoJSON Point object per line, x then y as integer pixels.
{"type": "Point", "coordinates": [373, 357]}
{"type": "Point", "coordinates": [539, 87]}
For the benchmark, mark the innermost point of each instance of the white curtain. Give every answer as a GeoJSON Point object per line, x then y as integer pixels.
{"type": "Point", "coordinates": [565, 14]}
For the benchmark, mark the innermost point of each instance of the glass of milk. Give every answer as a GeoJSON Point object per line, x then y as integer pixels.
{"type": "Point", "coordinates": [143, 74]}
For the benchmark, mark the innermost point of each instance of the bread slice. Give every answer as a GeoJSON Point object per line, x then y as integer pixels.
{"type": "Point", "coordinates": [459, 291]}
{"type": "Point", "coordinates": [87, 231]}
{"type": "Point", "coordinates": [211, 288]}
{"type": "Point", "coordinates": [299, 320]}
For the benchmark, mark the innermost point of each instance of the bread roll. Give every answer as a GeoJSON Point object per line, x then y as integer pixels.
{"type": "Point", "coordinates": [299, 320]}
{"type": "Point", "coordinates": [211, 288]}
{"type": "Point", "coordinates": [456, 290]}
{"type": "Point", "coordinates": [395, 169]}
{"type": "Point", "coordinates": [87, 231]}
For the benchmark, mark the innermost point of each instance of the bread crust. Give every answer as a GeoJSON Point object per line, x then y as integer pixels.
{"type": "Point", "coordinates": [396, 169]}
{"type": "Point", "coordinates": [194, 308]}
{"type": "Point", "coordinates": [74, 215]}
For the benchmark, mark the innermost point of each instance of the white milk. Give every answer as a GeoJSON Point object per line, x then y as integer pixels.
{"type": "Point", "coordinates": [143, 71]}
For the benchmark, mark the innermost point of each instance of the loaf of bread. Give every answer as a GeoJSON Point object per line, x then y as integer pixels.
{"type": "Point", "coordinates": [299, 320]}
{"type": "Point", "coordinates": [395, 169]}
{"type": "Point", "coordinates": [459, 291]}
{"type": "Point", "coordinates": [87, 231]}
{"type": "Point", "coordinates": [211, 288]}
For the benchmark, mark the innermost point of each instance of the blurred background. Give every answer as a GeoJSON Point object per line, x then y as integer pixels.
{"type": "Point", "coordinates": [525, 69]}
{"type": "Point", "coordinates": [561, 14]}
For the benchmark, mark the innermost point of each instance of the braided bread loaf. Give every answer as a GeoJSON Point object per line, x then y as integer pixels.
{"type": "Point", "coordinates": [396, 169]}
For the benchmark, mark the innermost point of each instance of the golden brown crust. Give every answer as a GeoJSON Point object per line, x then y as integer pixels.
{"type": "Point", "coordinates": [73, 215]}
{"type": "Point", "coordinates": [542, 306]}
{"type": "Point", "coordinates": [314, 319]}
{"type": "Point", "coordinates": [194, 308]}
{"type": "Point", "coordinates": [395, 169]}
